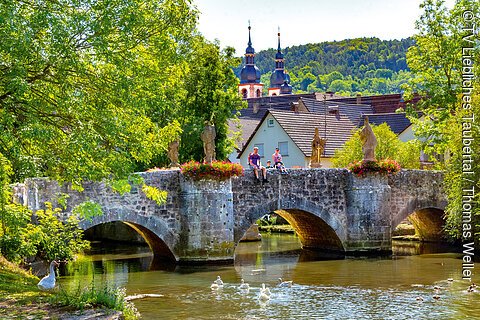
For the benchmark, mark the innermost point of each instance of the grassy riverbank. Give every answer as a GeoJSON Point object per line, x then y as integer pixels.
{"type": "Point", "coordinates": [280, 228]}
{"type": "Point", "coordinates": [19, 295]}
{"type": "Point", "coordinates": [21, 299]}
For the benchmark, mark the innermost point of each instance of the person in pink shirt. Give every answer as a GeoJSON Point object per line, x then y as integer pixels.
{"type": "Point", "coordinates": [277, 161]}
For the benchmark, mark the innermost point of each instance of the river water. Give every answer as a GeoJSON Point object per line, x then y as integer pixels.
{"type": "Point", "coordinates": [396, 287]}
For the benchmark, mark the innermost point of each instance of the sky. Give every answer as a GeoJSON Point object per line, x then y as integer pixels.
{"type": "Point", "coordinates": [305, 21]}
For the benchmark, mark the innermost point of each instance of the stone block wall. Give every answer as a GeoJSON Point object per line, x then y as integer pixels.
{"type": "Point", "coordinates": [203, 221]}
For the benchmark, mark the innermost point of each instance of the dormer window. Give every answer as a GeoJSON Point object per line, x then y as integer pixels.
{"type": "Point", "coordinates": [333, 109]}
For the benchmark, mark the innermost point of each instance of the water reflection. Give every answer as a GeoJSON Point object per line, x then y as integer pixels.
{"type": "Point", "coordinates": [359, 288]}
{"type": "Point", "coordinates": [410, 248]}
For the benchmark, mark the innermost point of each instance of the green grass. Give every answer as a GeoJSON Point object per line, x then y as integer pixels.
{"type": "Point", "coordinates": [94, 297]}
{"type": "Point", "coordinates": [14, 281]}
{"type": "Point", "coordinates": [19, 296]}
{"type": "Point", "coordinates": [21, 299]}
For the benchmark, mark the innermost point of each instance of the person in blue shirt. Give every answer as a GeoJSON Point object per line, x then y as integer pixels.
{"type": "Point", "coordinates": [254, 162]}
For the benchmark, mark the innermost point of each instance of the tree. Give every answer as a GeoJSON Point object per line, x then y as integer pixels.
{"type": "Point", "coordinates": [210, 95]}
{"type": "Point", "coordinates": [79, 80]}
{"type": "Point", "coordinates": [438, 61]}
{"type": "Point", "coordinates": [389, 146]}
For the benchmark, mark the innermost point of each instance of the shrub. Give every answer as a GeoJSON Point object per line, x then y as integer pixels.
{"type": "Point", "coordinates": [112, 298]}
{"type": "Point", "coordinates": [384, 167]}
{"type": "Point", "coordinates": [389, 146]}
{"type": "Point", "coordinates": [217, 170]}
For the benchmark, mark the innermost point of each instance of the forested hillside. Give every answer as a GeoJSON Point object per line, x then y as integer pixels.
{"type": "Point", "coordinates": [365, 65]}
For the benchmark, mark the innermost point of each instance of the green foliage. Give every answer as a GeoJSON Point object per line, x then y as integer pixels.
{"type": "Point", "coordinates": [17, 235]}
{"type": "Point", "coordinates": [267, 220]}
{"type": "Point", "coordinates": [366, 167]}
{"type": "Point", "coordinates": [54, 238]}
{"type": "Point", "coordinates": [217, 170]}
{"type": "Point", "coordinates": [365, 65]}
{"type": "Point", "coordinates": [82, 84]}
{"type": "Point", "coordinates": [155, 194]}
{"type": "Point", "coordinates": [210, 94]}
{"type": "Point", "coordinates": [121, 186]}
{"type": "Point", "coordinates": [49, 238]}
{"type": "Point", "coordinates": [87, 210]}
{"type": "Point", "coordinates": [389, 146]}
{"type": "Point", "coordinates": [43, 234]}
{"type": "Point", "coordinates": [62, 199]}
{"type": "Point", "coordinates": [436, 63]}
{"type": "Point", "coordinates": [104, 297]}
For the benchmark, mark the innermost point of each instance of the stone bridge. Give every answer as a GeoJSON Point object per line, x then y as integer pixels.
{"type": "Point", "coordinates": [202, 221]}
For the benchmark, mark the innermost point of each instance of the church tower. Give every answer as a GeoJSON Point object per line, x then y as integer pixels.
{"type": "Point", "coordinates": [279, 80]}
{"type": "Point", "coordinates": [250, 86]}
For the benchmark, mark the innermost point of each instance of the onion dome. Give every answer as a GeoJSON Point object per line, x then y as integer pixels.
{"type": "Point", "coordinates": [285, 88]}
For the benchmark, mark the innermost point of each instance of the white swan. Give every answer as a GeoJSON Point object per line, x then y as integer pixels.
{"type": "Point", "coordinates": [219, 281]}
{"type": "Point", "coordinates": [48, 282]}
{"type": "Point", "coordinates": [217, 284]}
{"type": "Point", "coordinates": [284, 284]}
{"type": "Point", "coordinates": [265, 290]}
{"type": "Point", "coordinates": [264, 293]}
{"type": "Point", "coordinates": [243, 285]}
{"type": "Point", "coordinates": [263, 297]}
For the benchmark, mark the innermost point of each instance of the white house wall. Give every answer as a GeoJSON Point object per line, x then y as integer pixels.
{"type": "Point", "coordinates": [270, 137]}
{"type": "Point", "coordinates": [407, 134]}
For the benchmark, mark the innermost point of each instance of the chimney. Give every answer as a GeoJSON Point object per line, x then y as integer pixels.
{"type": "Point", "coordinates": [359, 98]}
{"type": "Point", "coordinates": [333, 109]}
{"type": "Point", "coordinates": [294, 107]}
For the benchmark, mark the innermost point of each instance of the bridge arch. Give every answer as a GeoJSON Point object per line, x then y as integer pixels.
{"type": "Point", "coordinates": [427, 217]}
{"type": "Point", "coordinates": [154, 230]}
{"type": "Point", "coordinates": [316, 227]}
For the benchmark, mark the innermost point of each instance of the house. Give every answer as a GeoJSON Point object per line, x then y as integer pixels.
{"type": "Point", "coordinates": [292, 132]}
{"type": "Point", "coordinates": [398, 123]}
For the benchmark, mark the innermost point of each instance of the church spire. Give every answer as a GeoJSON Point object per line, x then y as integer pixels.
{"type": "Point", "coordinates": [279, 61]}
{"type": "Point", "coordinates": [279, 48]}
{"type": "Point", "coordinates": [279, 80]}
{"type": "Point", "coordinates": [249, 38]}
{"type": "Point", "coordinates": [250, 86]}
{"type": "Point", "coordinates": [249, 52]}
{"type": "Point", "coordinates": [250, 73]}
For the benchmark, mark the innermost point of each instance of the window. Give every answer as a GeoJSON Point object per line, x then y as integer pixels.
{"type": "Point", "coordinates": [283, 146]}
{"type": "Point", "coordinates": [244, 93]}
{"type": "Point", "coordinates": [259, 94]}
{"type": "Point", "coordinates": [270, 122]}
{"type": "Point", "coordinates": [260, 149]}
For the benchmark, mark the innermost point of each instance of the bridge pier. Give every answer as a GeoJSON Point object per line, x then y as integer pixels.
{"type": "Point", "coordinates": [207, 222]}
{"type": "Point", "coordinates": [368, 215]}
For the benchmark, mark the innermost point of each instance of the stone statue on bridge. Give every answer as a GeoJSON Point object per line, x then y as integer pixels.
{"type": "Point", "coordinates": [318, 146]}
{"type": "Point", "coordinates": [208, 137]}
{"type": "Point", "coordinates": [369, 142]}
{"type": "Point", "coordinates": [172, 153]}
